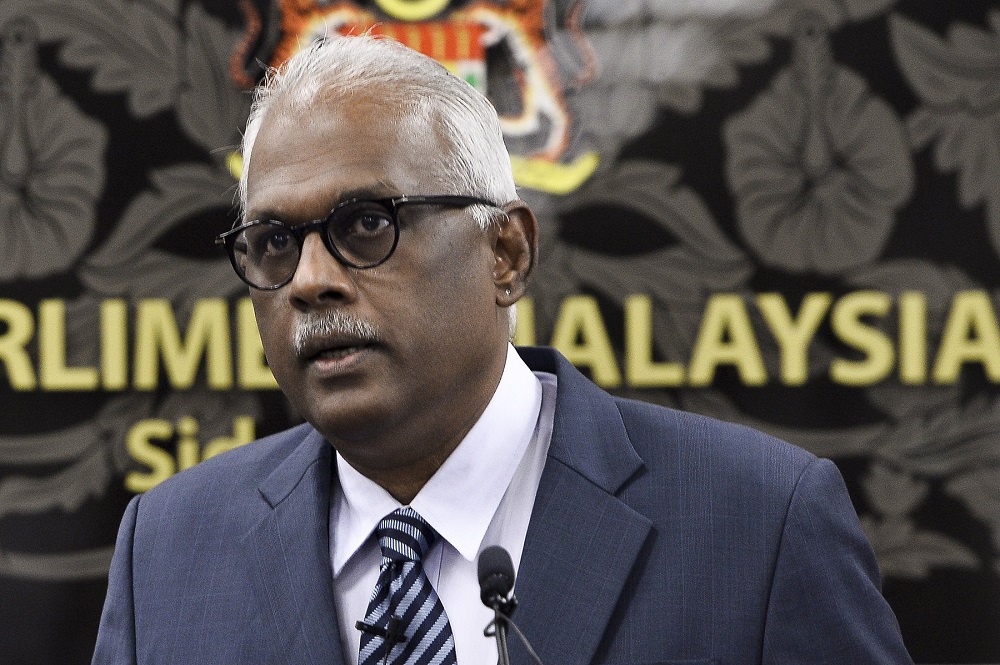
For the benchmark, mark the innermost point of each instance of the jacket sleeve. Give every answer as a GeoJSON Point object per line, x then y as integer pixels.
{"type": "Point", "coordinates": [826, 604]}
{"type": "Point", "coordinates": [116, 635]}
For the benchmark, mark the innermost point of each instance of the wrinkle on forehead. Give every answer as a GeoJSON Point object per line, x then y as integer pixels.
{"type": "Point", "coordinates": [409, 124]}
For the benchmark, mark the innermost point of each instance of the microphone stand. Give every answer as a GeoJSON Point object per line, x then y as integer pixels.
{"type": "Point", "coordinates": [502, 609]}
{"type": "Point", "coordinates": [500, 629]}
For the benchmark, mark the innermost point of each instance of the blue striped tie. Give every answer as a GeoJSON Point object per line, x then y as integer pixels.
{"type": "Point", "coordinates": [404, 607]}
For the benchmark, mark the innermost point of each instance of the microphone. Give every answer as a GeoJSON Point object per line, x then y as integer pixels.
{"type": "Point", "coordinates": [393, 633]}
{"type": "Point", "coordinates": [496, 580]}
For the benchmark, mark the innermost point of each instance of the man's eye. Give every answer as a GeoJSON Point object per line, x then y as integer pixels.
{"type": "Point", "coordinates": [368, 224]}
{"type": "Point", "coordinates": [264, 241]}
{"type": "Point", "coordinates": [277, 241]}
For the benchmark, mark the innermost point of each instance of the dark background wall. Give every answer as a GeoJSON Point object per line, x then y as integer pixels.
{"type": "Point", "coordinates": [785, 213]}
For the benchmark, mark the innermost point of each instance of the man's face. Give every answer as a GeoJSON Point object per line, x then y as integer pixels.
{"type": "Point", "coordinates": [441, 338]}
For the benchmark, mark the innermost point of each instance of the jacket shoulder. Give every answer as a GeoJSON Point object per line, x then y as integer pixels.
{"type": "Point", "coordinates": [234, 470]}
{"type": "Point", "coordinates": [705, 447]}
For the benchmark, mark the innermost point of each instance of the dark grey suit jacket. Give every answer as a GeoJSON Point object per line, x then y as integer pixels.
{"type": "Point", "coordinates": [657, 536]}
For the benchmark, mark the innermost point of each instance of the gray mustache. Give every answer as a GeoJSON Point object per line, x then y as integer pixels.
{"type": "Point", "coordinates": [331, 323]}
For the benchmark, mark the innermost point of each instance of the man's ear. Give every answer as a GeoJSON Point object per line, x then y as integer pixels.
{"type": "Point", "coordinates": [515, 250]}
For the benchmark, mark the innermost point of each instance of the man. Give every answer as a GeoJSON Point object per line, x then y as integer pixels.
{"type": "Point", "coordinates": [639, 534]}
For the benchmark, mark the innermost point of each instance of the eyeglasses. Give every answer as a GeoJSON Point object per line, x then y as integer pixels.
{"type": "Point", "coordinates": [360, 233]}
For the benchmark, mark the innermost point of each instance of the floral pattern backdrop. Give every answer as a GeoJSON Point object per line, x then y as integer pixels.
{"type": "Point", "coordinates": [780, 212]}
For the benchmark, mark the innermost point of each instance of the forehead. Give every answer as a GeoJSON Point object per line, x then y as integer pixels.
{"type": "Point", "coordinates": [307, 159]}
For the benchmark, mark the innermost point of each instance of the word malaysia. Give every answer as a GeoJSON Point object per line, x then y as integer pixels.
{"type": "Point", "coordinates": [725, 336]}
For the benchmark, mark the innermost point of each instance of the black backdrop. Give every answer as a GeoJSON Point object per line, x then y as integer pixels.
{"type": "Point", "coordinates": [785, 213]}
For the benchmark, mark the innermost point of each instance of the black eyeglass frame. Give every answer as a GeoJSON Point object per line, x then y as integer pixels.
{"type": "Point", "coordinates": [299, 232]}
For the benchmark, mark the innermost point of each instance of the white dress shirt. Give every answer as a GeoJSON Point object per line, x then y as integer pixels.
{"type": "Point", "coordinates": [481, 496]}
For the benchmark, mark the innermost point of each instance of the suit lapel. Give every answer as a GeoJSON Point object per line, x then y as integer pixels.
{"type": "Point", "coordinates": [290, 569]}
{"type": "Point", "coordinates": [582, 541]}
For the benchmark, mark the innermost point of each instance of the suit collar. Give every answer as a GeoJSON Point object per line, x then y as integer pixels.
{"type": "Point", "coordinates": [287, 476]}
{"type": "Point", "coordinates": [588, 434]}
{"type": "Point", "coordinates": [583, 541]}
{"type": "Point", "coordinates": [290, 554]}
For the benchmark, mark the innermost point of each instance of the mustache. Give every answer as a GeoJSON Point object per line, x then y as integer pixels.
{"type": "Point", "coordinates": [330, 324]}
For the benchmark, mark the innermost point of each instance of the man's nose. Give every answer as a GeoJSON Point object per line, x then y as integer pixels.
{"type": "Point", "coordinates": [320, 278]}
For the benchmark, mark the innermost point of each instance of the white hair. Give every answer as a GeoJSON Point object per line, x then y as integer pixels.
{"type": "Point", "coordinates": [416, 91]}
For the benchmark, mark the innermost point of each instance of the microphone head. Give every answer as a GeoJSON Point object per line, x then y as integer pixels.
{"type": "Point", "coordinates": [496, 575]}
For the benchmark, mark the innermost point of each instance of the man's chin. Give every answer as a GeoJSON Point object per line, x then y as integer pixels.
{"type": "Point", "coordinates": [349, 426]}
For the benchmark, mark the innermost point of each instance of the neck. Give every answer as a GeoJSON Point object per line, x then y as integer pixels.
{"type": "Point", "coordinates": [402, 455]}
{"type": "Point", "coordinates": [403, 474]}
{"type": "Point", "coordinates": [403, 483]}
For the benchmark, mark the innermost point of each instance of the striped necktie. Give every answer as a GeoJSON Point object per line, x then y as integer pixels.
{"type": "Point", "coordinates": [406, 623]}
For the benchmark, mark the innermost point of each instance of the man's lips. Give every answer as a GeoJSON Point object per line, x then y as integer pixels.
{"type": "Point", "coordinates": [320, 348]}
{"type": "Point", "coordinates": [339, 352]}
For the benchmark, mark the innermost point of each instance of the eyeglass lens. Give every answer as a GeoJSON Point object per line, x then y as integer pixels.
{"type": "Point", "coordinates": [362, 233]}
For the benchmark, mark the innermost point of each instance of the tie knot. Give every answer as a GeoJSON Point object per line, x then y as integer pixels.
{"type": "Point", "coordinates": [403, 535]}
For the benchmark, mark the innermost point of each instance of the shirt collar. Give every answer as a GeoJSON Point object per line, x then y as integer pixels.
{"type": "Point", "coordinates": [460, 499]}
